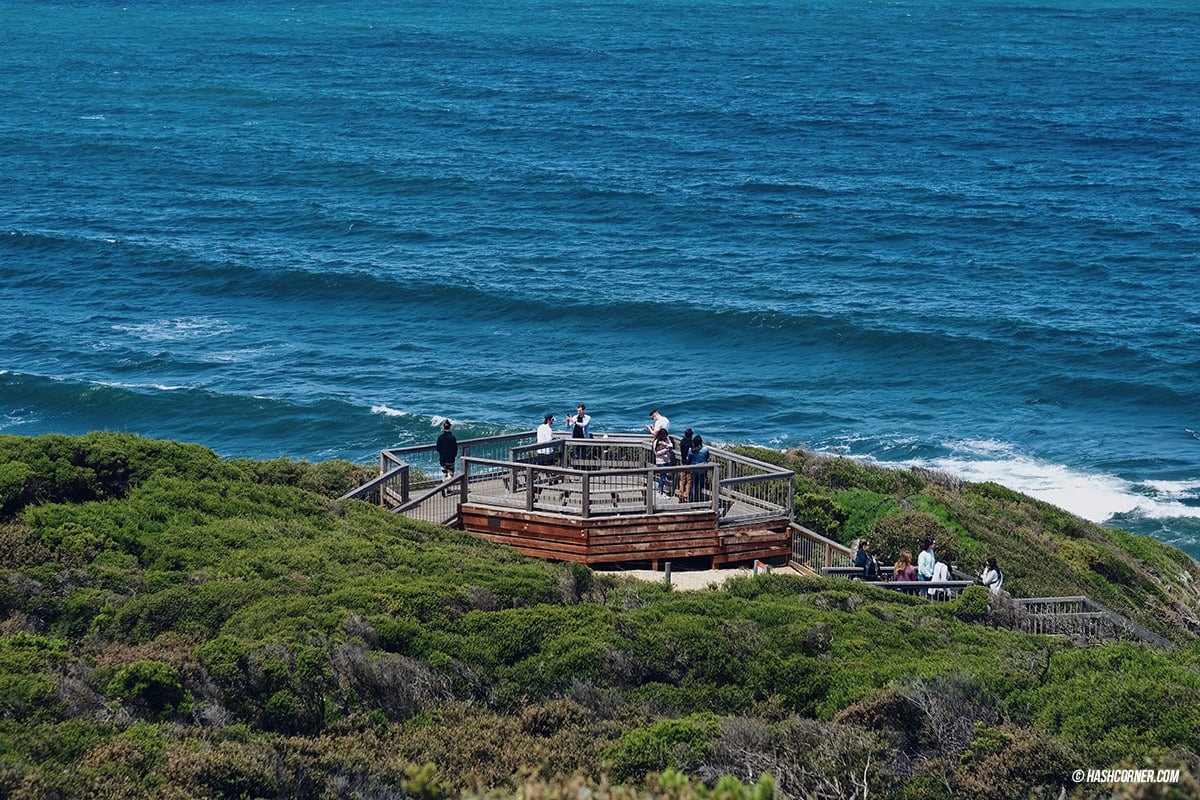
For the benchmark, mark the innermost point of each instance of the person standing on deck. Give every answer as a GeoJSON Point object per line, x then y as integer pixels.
{"type": "Point", "coordinates": [926, 561]}
{"type": "Point", "coordinates": [545, 433]}
{"type": "Point", "coordinates": [699, 456]}
{"type": "Point", "coordinates": [447, 450]}
{"type": "Point", "coordinates": [663, 452]}
{"type": "Point", "coordinates": [685, 457]}
{"type": "Point", "coordinates": [581, 418]}
{"type": "Point", "coordinates": [941, 572]}
{"type": "Point", "coordinates": [660, 423]}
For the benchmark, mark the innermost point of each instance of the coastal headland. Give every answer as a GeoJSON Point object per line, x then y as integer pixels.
{"type": "Point", "coordinates": [175, 624]}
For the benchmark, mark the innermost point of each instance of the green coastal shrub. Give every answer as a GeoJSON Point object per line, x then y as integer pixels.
{"type": "Point", "coordinates": [678, 744]}
{"type": "Point", "coordinates": [1115, 702]}
{"type": "Point", "coordinates": [821, 514]}
{"type": "Point", "coordinates": [972, 604]}
{"type": "Point", "coordinates": [907, 530]}
{"type": "Point", "coordinates": [29, 677]}
{"type": "Point", "coordinates": [154, 687]}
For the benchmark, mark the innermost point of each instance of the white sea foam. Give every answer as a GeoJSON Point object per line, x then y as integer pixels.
{"type": "Point", "coordinates": [388, 411]}
{"type": "Point", "coordinates": [1094, 496]}
{"type": "Point", "coordinates": [178, 329]}
{"type": "Point", "coordinates": [161, 387]}
{"type": "Point", "coordinates": [18, 417]}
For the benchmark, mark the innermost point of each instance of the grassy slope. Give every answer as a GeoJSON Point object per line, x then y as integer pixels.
{"type": "Point", "coordinates": [175, 625]}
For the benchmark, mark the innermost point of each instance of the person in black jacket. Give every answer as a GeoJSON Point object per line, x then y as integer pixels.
{"type": "Point", "coordinates": [685, 457]}
{"type": "Point", "coordinates": [447, 449]}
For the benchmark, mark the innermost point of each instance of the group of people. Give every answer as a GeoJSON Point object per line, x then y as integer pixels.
{"type": "Point", "coordinates": [689, 485]}
{"type": "Point", "coordinates": [931, 567]}
{"type": "Point", "coordinates": [579, 424]}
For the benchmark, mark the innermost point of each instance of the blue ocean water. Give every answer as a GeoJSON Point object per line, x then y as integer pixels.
{"type": "Point", "coordinates": [962, 235]}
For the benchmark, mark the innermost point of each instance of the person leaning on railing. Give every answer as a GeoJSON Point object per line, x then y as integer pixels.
{"type": "Point", "coordinates": [904, 569]}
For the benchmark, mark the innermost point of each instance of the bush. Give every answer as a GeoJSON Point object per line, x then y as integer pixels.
{"type": "Point", "coordinates": [154, 687]}
{"type": "Point", "coordinates": [907, 530]}
{"type": "Point", "coordinates": [972, 604]}
{"type": "Point", "coordinates": [673, 743]}
{"type": "Point", "coordinates": [821, 514]}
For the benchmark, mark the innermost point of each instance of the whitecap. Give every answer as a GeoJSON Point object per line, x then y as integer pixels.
{"type": "Point", "coordinates": [1097, 497]}
{"type": "Point", "coordinates": [387, 411]}
{"type": "Point", "coordinates": [177, 329]}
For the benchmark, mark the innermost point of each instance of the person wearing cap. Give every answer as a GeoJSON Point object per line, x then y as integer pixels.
{"type": "Point", "coordinates": [660, 423]}
{"type": "Point", "coordinates": [447, 449]}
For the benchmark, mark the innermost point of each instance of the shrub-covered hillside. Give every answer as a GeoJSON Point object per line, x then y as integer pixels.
{"type": "Point", "coordinates": [1043, 550]}
{"type": "Point", "coordinates": [175, 625]}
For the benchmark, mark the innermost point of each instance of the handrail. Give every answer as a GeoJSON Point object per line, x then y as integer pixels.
{"type": "Point", "coordinates": [812, 552]}
{"type": "Point", "coordinates": [583, 492]}
{"type": "Point", "coordinates": [736, 498]}
{"type": "Point", "coordinates": [1114, 618]}
{"type": "Point", "coordinates": [372, 484]}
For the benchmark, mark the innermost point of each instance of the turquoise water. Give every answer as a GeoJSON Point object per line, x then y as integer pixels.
{"type": "Point", "coordinates": [960, 235]}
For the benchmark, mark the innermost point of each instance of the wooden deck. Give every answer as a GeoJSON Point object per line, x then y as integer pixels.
{"type": "Point", "coordinates": [651, 538]}
{"type": "Point", "coordinates": [597, 501]}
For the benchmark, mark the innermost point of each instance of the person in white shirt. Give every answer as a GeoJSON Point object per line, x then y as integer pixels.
{"type": "Point", "coordinates": [992, 577]}
{"type": "Point", "coordinates": [545, 432]}
{"type": "Point", "coordinates": [660, 423]}
{"type": "Point", "coordinates": [926, 561]}
{"type": "Point", "coordinates": [941, 572]}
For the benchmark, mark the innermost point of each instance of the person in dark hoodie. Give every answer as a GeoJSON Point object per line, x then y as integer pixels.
{"type": "Point", "coordinates": [685, 457]}
{"type": "Point", "coordinates": [447, 449]}
{"type": "Point", "coordinates": [699, 456]}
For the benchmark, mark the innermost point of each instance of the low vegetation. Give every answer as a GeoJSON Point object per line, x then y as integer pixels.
{"type": "Point", "coordinates": [175, 625]}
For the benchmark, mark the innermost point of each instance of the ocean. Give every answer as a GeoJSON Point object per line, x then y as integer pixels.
{"type": "Point", "coordinates": [960, 235]}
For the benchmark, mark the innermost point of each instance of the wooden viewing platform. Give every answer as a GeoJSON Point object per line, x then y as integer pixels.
{"type": "Point", "coordinates": [595, 501]}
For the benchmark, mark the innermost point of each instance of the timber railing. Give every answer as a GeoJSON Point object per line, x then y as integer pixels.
{"type": "Point", "coordinates": [812, 552]}
{"type": "Point", "coordinates": [577, 477]}
{"type": "Point", "coordinates": [1079, 618]}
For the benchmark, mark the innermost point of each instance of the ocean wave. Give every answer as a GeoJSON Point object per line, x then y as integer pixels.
{"type": "Point", "coordinates": [1095, 496]}
{"type": "Point", "coordinates": [178, 329]}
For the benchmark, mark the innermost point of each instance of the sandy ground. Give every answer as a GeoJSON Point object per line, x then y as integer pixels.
{"type": "Point", "coordinates": [694, 579]}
